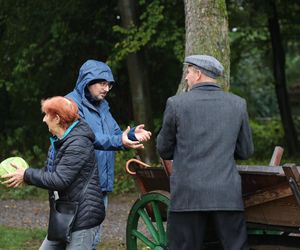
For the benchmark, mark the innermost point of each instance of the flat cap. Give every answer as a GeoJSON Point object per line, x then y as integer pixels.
{"type": "Point", "coordinates": [208, 65]}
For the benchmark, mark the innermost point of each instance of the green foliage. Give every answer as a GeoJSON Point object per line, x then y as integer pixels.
{"type": "Point", "coordinates": [251, 52]}
{"type": "Point", "coordinates": [17, 238]}
{"type": "Point", "coordinates": [157, 28]}
{"type": "Point", "coordinates": [16, 143]}
{"type": "Point", "coordinates": [253, 81]}
{"type": "Point", "coordinates": [157, 126]}
{"type": "Point", "coordinates": [42, 46]}
{"type": "Point", "coordinates": [267, 134]}
{"type": "Point", "coordinates": [251, 68]}
{"type": "Point", "coordinates": [137, 37]}
{"type": "Point", "coordinates": [124, 182]}
{"type": "Point", "coordinates": [24, 192]}
{"type": "Point", "coordinates": [292, 68]}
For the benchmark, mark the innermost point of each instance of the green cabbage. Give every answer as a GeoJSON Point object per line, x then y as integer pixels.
{"type": "Point", "coordinates": [7, 168]}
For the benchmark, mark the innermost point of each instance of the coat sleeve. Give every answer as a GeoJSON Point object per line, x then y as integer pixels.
{"type": "Point", "coordinates": [111, 141]}
{"type": "Point", "coordinates": [244, 145]}
{"type": "Point", "coordinates": [105, 141]}
{"type": "Point", "coordinates": [72, 161]}
{"type": "Point", "coordinates": [166, 139]}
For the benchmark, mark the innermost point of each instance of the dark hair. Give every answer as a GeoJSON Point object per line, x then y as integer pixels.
{"type": "Point", "coordinates": [96, 81]}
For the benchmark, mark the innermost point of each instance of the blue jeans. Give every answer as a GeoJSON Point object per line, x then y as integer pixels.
{"type": "Point", "coordinates": [99, 231]}
{"type": "Point", "coordinates": [81, 240]}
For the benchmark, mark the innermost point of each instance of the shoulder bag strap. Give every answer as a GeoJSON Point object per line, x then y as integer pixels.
{"type": "Point", "coordinates": [84, 188]}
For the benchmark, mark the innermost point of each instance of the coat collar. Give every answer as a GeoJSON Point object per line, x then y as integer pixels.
{"type": "Point", "coordinates": [209, 86]}
{"type": "Point", "coordinates": [54, 140]}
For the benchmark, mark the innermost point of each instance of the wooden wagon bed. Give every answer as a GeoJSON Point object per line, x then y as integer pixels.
{"type": "Point", "coordinates": [271, 196]}
{"type": "Point", "coordinates": [270, 193]}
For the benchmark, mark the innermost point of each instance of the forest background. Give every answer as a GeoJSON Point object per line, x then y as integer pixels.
{"type": "Point", "coordinates": [44, 43]}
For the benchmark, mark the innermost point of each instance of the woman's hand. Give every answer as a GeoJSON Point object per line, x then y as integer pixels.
{"type": "Point", "coordinates": [141, 134]}
{"type": "Point", "coordinates": [14, 179]}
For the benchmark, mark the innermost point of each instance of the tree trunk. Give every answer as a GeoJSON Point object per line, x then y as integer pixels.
{"type": "Point", "coordinates": [280, 81]}
{"type": "Point", "coordinates": [206, 28]}
{"type": "Point", "coordinates": [139, 83]}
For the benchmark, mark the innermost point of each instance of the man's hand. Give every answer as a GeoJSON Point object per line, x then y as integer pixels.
{"type": "Point", "coordinates": [129, 143]}
{"type": "Point", "coordinates": [141, 134]}
{"type": "Point", "coordinates": [14, 179]}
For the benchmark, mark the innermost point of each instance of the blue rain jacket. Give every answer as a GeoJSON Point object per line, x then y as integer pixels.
{"type": "Point", "coordinates": [108, 135]}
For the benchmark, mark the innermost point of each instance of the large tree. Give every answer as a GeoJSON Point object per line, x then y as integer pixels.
{"type": "Point", "coordinates": [206, 29]}
{"type": "Point", "coordinates": [265, 33]}
{"type": "Point", "coordinates": [151, 44]}
{"type": "Point", "coordinates": [139, 80]}
{"type": "Point", "coordinates": [280, 79]}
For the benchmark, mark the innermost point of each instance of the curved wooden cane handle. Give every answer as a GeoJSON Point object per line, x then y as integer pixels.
{"type": "Point", "coordinates": [135, 161]}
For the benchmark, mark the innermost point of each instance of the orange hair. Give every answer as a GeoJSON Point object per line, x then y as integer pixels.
{"type": "Point", "coordinates": [66, 109]}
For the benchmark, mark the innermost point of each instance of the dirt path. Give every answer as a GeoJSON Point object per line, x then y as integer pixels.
{"type": "Point", "coordinates": [34, 214]}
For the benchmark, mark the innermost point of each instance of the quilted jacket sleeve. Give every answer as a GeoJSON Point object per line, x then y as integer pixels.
{"type": "Point", "coordinates": [71, 160]}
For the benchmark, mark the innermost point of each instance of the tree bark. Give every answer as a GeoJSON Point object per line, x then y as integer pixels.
{"type": "Point", "coordinates": [206, 25]}
{"type": "Point", "coordinates": [139, 82]}
{"type": "Point", "coordinates": [280, 81]}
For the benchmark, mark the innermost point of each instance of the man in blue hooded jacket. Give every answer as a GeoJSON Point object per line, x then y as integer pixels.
{"type": "Point", "coordinates": [94, 82]}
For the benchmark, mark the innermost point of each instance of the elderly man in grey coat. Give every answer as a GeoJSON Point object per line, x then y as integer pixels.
{"type": "Point", "coordinates": [204, 130]}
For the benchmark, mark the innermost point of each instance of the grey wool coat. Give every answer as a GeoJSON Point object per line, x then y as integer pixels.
{"type": "Point", "coordinates": [203, 132]}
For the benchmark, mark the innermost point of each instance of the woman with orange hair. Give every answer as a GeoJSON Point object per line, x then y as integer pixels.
{"type": "Point", "coordinates": [70, 174]}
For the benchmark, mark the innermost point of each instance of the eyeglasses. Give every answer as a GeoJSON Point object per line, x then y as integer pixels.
{"type": "Point", "coordinates": [106, 84]}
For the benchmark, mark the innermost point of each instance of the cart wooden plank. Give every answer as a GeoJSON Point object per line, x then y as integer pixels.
{"type": "Point", "coordinates": [268, 194]}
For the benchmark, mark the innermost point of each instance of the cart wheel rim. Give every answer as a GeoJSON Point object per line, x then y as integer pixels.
{"type": "Point", "coordinates": [150, 210]}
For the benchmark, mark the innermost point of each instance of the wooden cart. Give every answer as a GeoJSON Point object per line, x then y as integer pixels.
{"type": "Point", "coordinates": [271, 196]}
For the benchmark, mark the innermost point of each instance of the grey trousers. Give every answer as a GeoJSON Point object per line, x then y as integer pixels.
{"type": "Point", "coordinates": [81, 240]}
{"type": "Point", "coordinates": [186, 230]}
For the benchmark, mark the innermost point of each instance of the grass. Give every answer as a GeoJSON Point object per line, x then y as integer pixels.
{"type": "Point", "coordinates": [31, 239]}
{"type": "Point", "coordinates": [20, 239]}
{"type": "Point", "coordinates": [26, 192]}
{"type": "Point", "coordinates": [111, 245]}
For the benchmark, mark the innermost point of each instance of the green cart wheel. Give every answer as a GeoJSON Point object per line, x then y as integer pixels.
{"type": "Point", "coordinates": [146, 224]}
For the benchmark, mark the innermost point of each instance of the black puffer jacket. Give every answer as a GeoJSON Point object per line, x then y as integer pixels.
{"type": "Point", "coordinates": [74, 159]}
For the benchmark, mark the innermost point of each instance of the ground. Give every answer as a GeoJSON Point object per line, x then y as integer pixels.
{"type": "Point", "coordinates": [34, 214]}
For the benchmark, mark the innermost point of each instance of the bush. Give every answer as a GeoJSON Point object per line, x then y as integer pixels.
{"type": "Point", "coordinates": [124, 182]}
{"type": "Point", "coordinates": [267, 134]}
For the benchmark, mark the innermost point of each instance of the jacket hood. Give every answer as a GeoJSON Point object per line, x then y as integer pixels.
{"type": "Point", "coordinates": [93, 70]}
